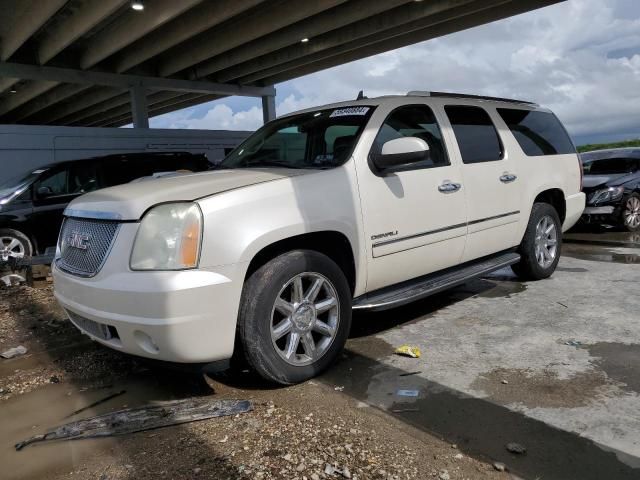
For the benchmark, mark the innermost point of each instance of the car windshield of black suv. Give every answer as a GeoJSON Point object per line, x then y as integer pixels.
{"type": "Point", "coordinates": [320, 139]}
{"type": "Point", "coordinates": [612, 166]}
{"type": "Point", "coordinates": [14, 185]}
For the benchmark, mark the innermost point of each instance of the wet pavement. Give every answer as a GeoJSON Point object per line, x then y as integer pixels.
{"type": "Point", "coordinates": [551, 365]}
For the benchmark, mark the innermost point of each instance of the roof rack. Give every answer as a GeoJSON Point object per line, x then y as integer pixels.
{"type": "Point", "coordinates": [418, 93]}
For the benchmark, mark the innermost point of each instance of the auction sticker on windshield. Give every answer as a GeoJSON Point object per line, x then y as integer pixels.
{"type": "Point", "coordinates": [343, 112]}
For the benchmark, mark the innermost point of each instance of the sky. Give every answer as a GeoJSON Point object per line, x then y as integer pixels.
{"type": "Point", "coordinates": [581, 58]}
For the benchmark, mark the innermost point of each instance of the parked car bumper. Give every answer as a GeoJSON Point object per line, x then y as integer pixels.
{"type": "Point", "coordinates": [601, 214]}
{"type": "Point", "coordinates": [575, 206]}
{"type": "Point", "coordinates": [186, 316]}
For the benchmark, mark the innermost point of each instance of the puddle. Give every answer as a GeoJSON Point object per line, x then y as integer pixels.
{"type": "Point", "coordinates": [503, 289]}
{"type": "Point", "coordinates": [572, 269]}
{"type": "Point", "coordinates": [604, 238]}
{"type": "Point", "coordinates": [478, 426]}
{"type": "Point", "coordinates": [618, 255]}
{"type": "Point", "coordinates": [543, 389]}
{"type": "Point", "coordinates": [33, 413]}
{"type": "Point", "coordinates": [619, 361]}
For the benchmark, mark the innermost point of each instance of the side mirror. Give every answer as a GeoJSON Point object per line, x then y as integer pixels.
{"type": "Point", "coordinates": [401, 151]}
{"type": "Point", "coordinates": [44, 192]}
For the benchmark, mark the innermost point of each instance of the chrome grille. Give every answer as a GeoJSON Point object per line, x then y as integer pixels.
{"type": "Point", "coordinates": [89, 326]}
{"type": "Point", "coordinates": [84, 245]}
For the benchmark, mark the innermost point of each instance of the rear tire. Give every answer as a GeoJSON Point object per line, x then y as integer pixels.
{"type": "Point", "coordinates": [14, 245]}
{"type": "Point", "coordinates": [295, 316]}
{"type": "Point", "coordinates": [541, 245]}
{"type": "Point", "coordinates": [631, 213]}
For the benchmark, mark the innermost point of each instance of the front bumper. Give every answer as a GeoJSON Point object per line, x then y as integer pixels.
{"type": "Point", "coordinates": [186, 316]}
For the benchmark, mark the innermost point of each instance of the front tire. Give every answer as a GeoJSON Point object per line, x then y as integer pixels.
{"type": "Point", "coordinates": [541, 244]}
{"type": "Point", "coordinates": [631, 213]}
{"type": "Point", "coordinates": [295, 316]}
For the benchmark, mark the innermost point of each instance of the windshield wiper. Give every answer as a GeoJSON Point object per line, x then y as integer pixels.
{"type": "Point", "coordinates": [271, 163]}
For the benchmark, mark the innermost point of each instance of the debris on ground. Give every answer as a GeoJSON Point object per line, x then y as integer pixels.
{"type": "Point", "coordinates": [573, 343]}
{"type": "Point", "coordinates": [407, 374]}
{"type": "Point", "coordinates": [501, 467]}
{"type": "Point", "coordinates": [516, 448]}
{"type": "Point", "coordinates": [408, 393]}
{"type": "Point", "coordinates": [444, 475]}
{"type": "Point", "coordinates": [12, 279]}
{"type": "Point", "coordinates": [339, 388]}
{"type": "Point", "coordinates": [96, 403]}
{"type": "Point", "coordinates": [408, 351]}
{"type": "Point", "coordinates": [131, 420]}
{"type": "Point", "coordinates": [14, 352]}
{"type": "Point", "coordinates": [505, 382]}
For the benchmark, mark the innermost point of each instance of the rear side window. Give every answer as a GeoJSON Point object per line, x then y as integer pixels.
{"type": "Point", "coordinates": [477, 137]}
{"type": "Point", "coordinates": [538, 133]}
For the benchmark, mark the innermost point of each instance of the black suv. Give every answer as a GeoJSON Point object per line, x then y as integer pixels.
{"type": "Point", "coordinates": [31, 207]}
{"type": "Point", "coordinates": [612, 185]}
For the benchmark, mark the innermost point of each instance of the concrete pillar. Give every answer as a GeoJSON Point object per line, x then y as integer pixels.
{"type": "Point", "coordinates": [139, 107]}
{"type": "Point", "coordinates": [268, 108]}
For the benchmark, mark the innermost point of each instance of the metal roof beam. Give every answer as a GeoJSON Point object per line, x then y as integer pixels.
{"type": "Point", "coordinates": [26, 93]}
{"type": "Point", "coordinates": [233, 34]}
{"type": "Point", "coordinates": [319, 24]}
{"type": "Point", "coordinates": [27, 24]}
{"type": "Point", "coordinates": [67, 75]}
{"type": "Point", "coordinates": [55, 95]}
{"type": "Point", "coordinates": [76, 22]}
{"type": "Point", "coordinates": [131, 27]}
{"type": "Point", "coordinates": [384, 25]}
{"type": "Point", "coordinates": [191, 23]}
{"type": "Point", "coordinates": [360, 49]}
{"type": "Point", "coordinates": [58, 114]}
{"type": "Point", "coordinates": [158, 108]}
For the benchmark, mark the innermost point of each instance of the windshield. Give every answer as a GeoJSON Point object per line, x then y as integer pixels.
{"type": "Point", "coordinates": [321, 139]}
{"type": "Point", "coordinates": [612, 166]}
{"type": "Point", "coordinates": [17, 184]}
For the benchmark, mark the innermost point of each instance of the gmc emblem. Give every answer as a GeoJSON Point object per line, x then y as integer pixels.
{"type": "Point", "coordinates": [79, 240]}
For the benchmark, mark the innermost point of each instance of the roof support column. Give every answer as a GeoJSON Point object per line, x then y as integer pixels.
{"type": "Point", "coordinates": [268, 108]}
{"type": "Point", "coordinates": [139, 107]}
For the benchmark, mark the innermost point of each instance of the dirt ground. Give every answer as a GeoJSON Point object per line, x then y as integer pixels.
{"type": "Point", "coordinates": [309, 431]}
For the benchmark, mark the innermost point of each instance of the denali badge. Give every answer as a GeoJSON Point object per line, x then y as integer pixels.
{"type": "Point", "coordinates": [79, 240]}
{"type": "Point", "coordinates": [384, 235]}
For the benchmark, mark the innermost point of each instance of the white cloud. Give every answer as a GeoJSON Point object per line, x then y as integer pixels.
{"type": "Point", "coordinates": [560, 56]}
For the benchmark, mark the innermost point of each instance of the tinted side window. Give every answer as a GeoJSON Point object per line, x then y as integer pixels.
{"type": "Point", "coordinates": [538, 133]}
{"type": "Point", "coordinates": [414, 121]}
{"type": "Point", "coordinates": [476, 135]}
{"type": "Point", "coordinates": [56, 183]}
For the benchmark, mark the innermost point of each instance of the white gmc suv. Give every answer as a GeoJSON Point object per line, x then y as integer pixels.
{"type": "Point", "coordinates": [367, 204]}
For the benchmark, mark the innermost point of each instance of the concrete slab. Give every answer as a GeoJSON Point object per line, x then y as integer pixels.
{"type": "Point", "coordinates": [553, 365]}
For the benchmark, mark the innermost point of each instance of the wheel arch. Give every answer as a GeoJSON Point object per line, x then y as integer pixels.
{"type": "Point", "coordinates": [332, 243]}
{"type": "Point", "coordinates": [555, 198]}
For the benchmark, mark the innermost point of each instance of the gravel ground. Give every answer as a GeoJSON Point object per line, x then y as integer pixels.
{"type": "Point", "coordinates": [304, 432]}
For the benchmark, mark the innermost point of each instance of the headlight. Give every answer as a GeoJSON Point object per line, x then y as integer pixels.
{"type": "Point", "coordinates": [610, 194]}
{"type": "Point", "coordinates": [168, 238]}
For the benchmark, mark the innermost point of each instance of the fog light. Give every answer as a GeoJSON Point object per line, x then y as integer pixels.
{"type": "Point", "coordinates": [146, 342]}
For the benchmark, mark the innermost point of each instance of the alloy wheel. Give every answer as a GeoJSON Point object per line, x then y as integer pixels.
{"type": "Point", "coordinates": [631, 212]}
{"type": "Point", "coordinates": [11, 247]}
{"type": "Point", "coordinates": [304, 318]}
{"type": "Point", "coordinates": [546, 241]}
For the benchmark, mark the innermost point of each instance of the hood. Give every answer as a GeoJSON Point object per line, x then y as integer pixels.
{"type": "Point", "coordinates": [131, 200]}
{"type": "Point", "coordinates": [593, 181]}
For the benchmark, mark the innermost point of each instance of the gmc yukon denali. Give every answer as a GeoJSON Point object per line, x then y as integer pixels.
{"type": "Point", "coordinates": [368, 204]}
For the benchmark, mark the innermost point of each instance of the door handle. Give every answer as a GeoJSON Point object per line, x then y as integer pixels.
{"type": "Point", "coordinates": [508, 178]}
{"type": "Point", "coordinates": [449, 187]}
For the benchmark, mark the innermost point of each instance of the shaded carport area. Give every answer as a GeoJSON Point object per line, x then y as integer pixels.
{"type": "Point", "coordinates": [548, 365]}
{"type": "Point", "coordinates": [101, 63]}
